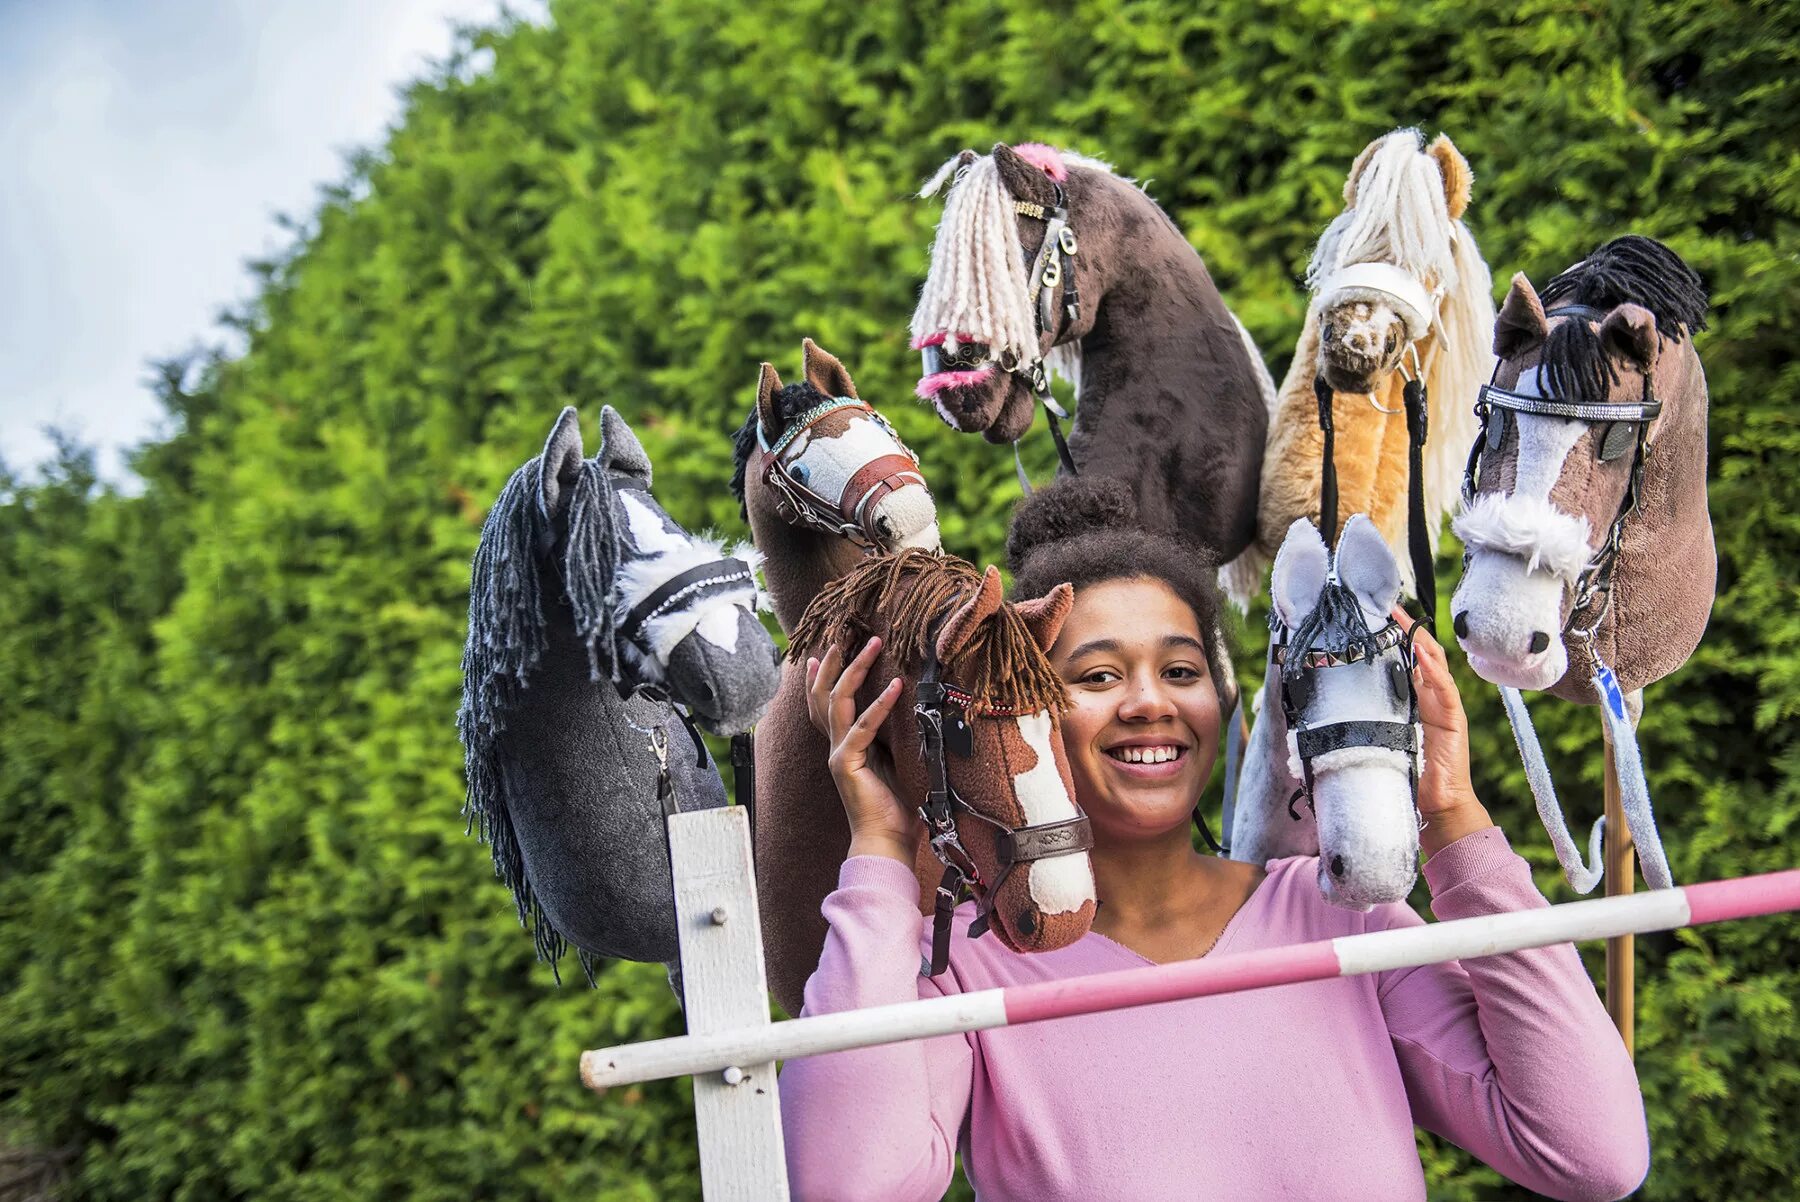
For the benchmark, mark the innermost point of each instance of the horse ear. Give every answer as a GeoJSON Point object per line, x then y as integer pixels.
{"type": "Point", "coordinates": [1520, 325]}
{"type": "Point", "coordinates": [561, 462]}
{"type": "Point", "coordinates": [1356, 170]}
{"type": "Point", "coordinates": [1629, 333]}
{"type": "Point", "coordinates": [1458, 179]}
{"type": "Point", "coordinates": [1044, 616]}
{"type": "Point", "coordinates": [1299, 573]}
{"type": "Point", "coordinates": [1365, 563]}
{"type": "Point", "coordinates": [962, 624]}
{"type": "Point", "coordinates": [767, 385]}
{"type": "Point", "coordinates": [620, 450]}
{"type": "Point", "coordinates": [823, 371]}
{"type": "Point", "coordinates": [1024, 181]}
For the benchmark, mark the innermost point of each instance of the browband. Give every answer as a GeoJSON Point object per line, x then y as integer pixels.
{"type": "Point", "coordinates": [1585, 411]}
{"type": "Point", "coordinates": [1388, 636]}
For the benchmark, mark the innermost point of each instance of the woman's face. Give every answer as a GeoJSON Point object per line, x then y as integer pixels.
{"type": "Point", "coordinates": [1144, 728]}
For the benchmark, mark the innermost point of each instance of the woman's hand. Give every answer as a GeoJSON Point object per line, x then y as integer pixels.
{"type": "Point", "coordinates": [879, 824]}
{"type": "Point", "coordinates": [1447, 800]}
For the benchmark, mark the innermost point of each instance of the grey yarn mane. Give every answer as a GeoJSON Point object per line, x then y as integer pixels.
{"type": "Point", "coordinates": [508, 631]}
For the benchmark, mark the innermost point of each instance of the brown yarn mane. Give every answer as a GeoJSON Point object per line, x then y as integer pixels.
{"type": "Point", "coordinates": [904, 598]}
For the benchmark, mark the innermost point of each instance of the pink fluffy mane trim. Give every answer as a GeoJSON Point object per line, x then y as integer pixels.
{"type": "Point", "coordinates": [933, 384]}
{"type": "Point", "coordinates": [939, 338]}
{"type": "Point", "coordinates": [1045, 158]}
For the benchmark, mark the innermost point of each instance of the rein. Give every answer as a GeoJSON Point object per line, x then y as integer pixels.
{"type": "Point", "coordinates": [1418, 310]}
{"type": "Point", "coordinates": [1627, 429]}
{"type": "Point", "coordinates": [844, 516]}
{"type": "Point", "coordinates": [941, 709]}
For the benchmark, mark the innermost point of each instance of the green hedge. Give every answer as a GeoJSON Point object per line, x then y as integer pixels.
{"type": "Point", "coordinates": [245, 947]}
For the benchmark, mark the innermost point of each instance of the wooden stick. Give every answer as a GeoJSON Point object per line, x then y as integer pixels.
{"type": "Point", "coordinates": [1348, 955]}
{"type": "Point", "coordinates": [1621, 880]}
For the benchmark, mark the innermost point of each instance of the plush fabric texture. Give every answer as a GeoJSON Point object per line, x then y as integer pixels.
{"type": "Point", "coordinates": [562, 775]}
{"type": "Point", "coordinates": [980, 639]}
{"type": "Point", "coordinates": [1170, 399]}
{"type": "Point", "coordinates": [801, 835]}
{"type": "Point", "coordinates": [1303, 1091]}
{"type": "Point", "coordinates": [1664, 581]}
{"type": "Point", "coordinates": [1405, 202]}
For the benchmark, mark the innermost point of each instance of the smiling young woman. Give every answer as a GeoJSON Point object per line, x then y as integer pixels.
{"type": "Point", "coordinates": [1305, 1091]}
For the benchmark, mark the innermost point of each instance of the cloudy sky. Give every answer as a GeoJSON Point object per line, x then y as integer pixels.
{"type": "Point", "coordinates": [146, 147]}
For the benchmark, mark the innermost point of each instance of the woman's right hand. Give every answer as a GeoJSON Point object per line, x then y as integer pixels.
{"type": "Point", "coordinates": [879, 823]}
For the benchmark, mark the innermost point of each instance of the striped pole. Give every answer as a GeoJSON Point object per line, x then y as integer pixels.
{"type": "Point", "coordinates": [1349, 955]}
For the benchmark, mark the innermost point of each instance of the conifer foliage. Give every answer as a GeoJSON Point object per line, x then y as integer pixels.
{"type": "Point", "coordinates": [246, 950]}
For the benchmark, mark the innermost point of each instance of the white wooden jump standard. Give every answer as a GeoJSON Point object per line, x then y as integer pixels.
{"type": "Point", "coordinates": [716, 1053]}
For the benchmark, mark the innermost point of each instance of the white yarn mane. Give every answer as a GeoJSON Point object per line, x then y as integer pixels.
{"type": "Point", "coordinates": [977, 284]}
{"type": "Point", "coordinates": [1399, 216]}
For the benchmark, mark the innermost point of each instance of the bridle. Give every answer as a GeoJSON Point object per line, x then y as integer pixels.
{"type": "Point", "coordinates": [942, 712]}
{"type": "Point", "coordinates": [1627, 429]}
{"type": "Point", "coordinates": [1051, 267]}
{"type": "Point", "coordinates": [845, 515]}
{"type": "Point", "coordinates": [674, 593]}
{"type": "Point", "coordinates": [1419, 309]}
{"type": "Point", "coordinates": [1296, 688]}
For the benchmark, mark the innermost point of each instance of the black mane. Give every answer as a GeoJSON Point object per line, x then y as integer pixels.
{"type": "Point", "coordinates": [791, 400]}
{"type": "Point", "coordinates": [1632, 269]}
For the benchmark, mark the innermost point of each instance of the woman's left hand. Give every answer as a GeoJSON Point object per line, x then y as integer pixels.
{"type": "Point", "coordinates": [1447, 800]}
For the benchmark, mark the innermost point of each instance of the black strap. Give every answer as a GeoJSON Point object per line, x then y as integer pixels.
{"type": "Point", "coordinates": [1206, 833]}
{"type": "Point", "coordinates": [1418, 537]}
{"type": "Point", "coordinates": [1328, 488]}
{"type": "Point", "coordinates": [1315, 741]}
{"type": "Point", "coordinates": [743, 777]}
{"type": "Point", "coordinates": [720, 571]}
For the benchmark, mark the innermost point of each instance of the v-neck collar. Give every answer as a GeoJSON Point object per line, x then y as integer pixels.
{"type": "Point", "coordinates": [1225, 935]}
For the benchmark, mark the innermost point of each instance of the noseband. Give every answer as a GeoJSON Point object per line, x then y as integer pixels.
{"type": "Point", "coordinates": [942, 711]}
{"type": "Point", "coordinates": [1627, 429]}
{"type": "Point", "coordinates": [845, 515]}
{"type": "Point", "coordinates": [1296, 686]}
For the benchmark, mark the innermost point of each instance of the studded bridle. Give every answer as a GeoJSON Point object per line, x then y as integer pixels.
{"type": "Point", "coordinates": [847, 514]}
{"type": "Point", "coordinates": [942, 712]}
{"type": "Point", "coordinates": [1297, 686]}
{"type": "Point", "coordinates": [1627, 430]}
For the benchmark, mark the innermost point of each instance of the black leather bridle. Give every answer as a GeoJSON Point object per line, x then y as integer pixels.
{"type": "Point", "coordinates": [1296, 686]}
{"type": "Point", "coordinates": [942, 711]}
{"type": "Point", "coordinates": [1627, 429]}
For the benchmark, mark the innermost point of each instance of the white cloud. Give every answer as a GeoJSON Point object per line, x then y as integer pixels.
{"type": "Point", "coordinates": [145, 151]}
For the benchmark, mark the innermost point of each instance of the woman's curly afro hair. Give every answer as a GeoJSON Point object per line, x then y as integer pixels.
{"type": "Point", "coordinates": [1084, 530]}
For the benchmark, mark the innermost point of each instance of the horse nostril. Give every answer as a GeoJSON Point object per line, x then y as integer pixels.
{"type": "Point", "coordinates": [1540, 642]}
{"type": "Point", "coordinates": [884, 526]}
{"type": "Point", "coordinates": [1461, 624]}
{"type": "Point", "coordinates": [1337, 865]}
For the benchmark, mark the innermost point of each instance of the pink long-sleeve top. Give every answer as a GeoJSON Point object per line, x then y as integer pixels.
{"type": "Point", "coordinates": [1302, 1091]}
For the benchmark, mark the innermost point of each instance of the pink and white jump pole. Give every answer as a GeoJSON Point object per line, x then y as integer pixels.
{"type": "Point", "coordinates": [1463, 938]}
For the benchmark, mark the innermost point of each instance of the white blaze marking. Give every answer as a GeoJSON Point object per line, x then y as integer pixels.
{"type": "Point", "coordinates": [833, 462]}
{"type": "Point", "coordinates": [1059, 884]}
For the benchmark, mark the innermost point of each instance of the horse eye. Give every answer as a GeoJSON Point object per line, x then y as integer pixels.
{"type": "Point", "coordinates": [800, 472]}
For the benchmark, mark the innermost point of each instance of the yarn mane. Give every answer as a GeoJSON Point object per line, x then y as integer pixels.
{"type": "Point", "coordinates": [1632, 269]}
{"type": "Point", "coordinates": [791, 400]}
{"type": "Point", "coordinates": [910, 593]}
{"type": "Point", "coordinates": [1400, 217]}
{"type": "Point", "coordinates": [508, 632]}
{"type": "Point", "coordinates": [976, 288]}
